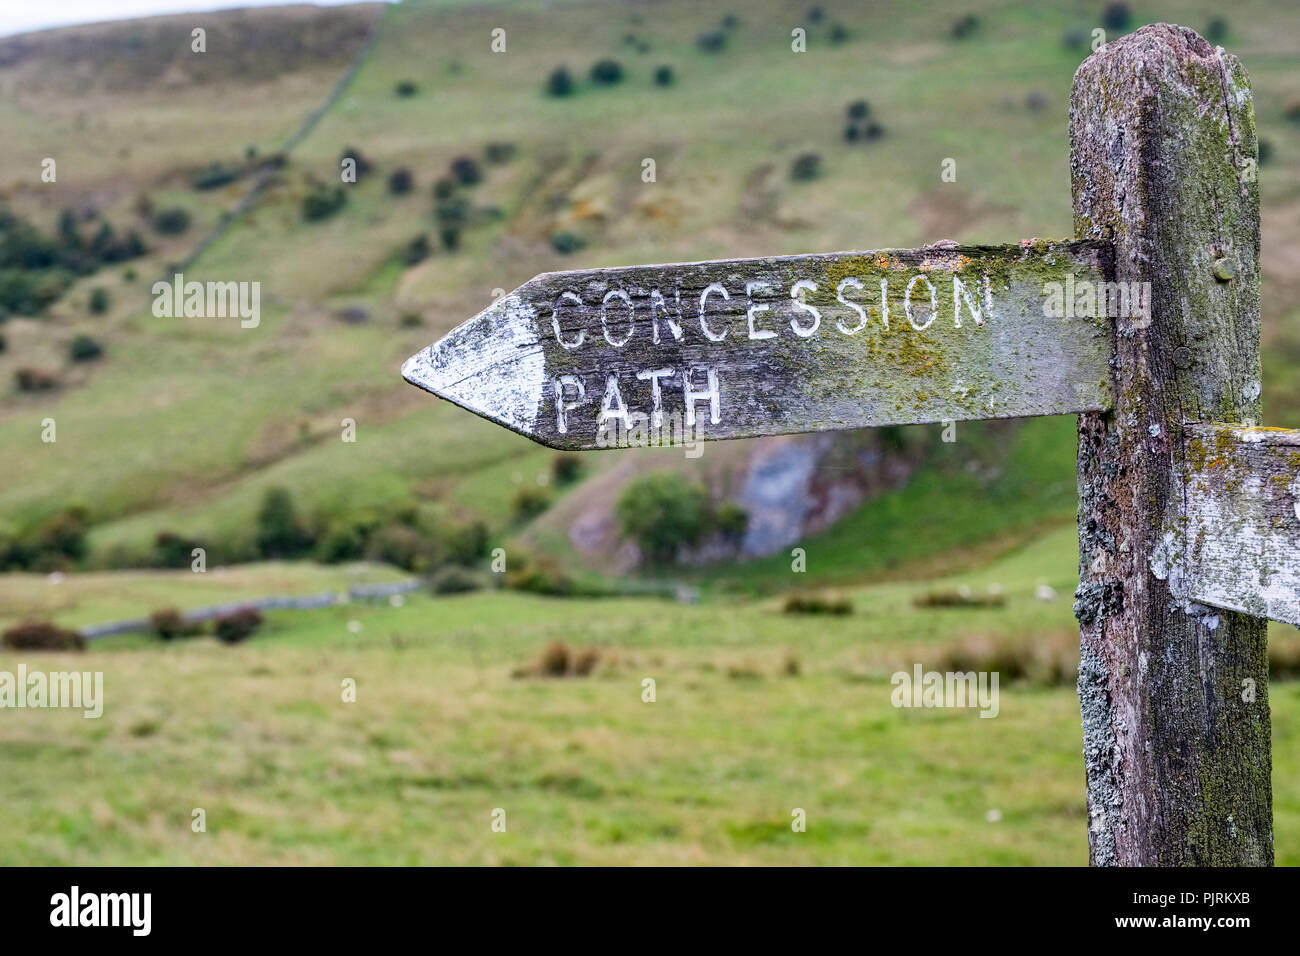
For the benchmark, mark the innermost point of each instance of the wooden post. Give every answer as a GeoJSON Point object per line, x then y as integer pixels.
{"type": "Point", "coordinates": [1173, 695]}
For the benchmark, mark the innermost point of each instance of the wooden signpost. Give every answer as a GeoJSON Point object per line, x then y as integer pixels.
{"type": "Point", "coordinates": [1146, 326]}
{"type": "Point", "coordinates": [767, 346]}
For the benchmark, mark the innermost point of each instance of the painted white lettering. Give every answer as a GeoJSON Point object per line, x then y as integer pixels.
{"type": "Point", "coordinates": [562, 408]}
{"type": "Point", "coordinates": [850, 283]}
{"type": "Point", "coordinates": [612, 405]}
{"type": "Point", "coordinates": [801, 306]}
{"type": "Point", "coordinates": [656, 393]}
{"type": "Point", "coordinates": [659, 304]}
{"type": "Point", "coordinates": [604, 316]}
{"type": "Point", "coordinates": [907, 301]}
{"type": "Point", "coordinates": [711, 393]}
{"type": "Point", "coordinates": [555, 320]}
{"type": "Point", "coordinates": [750, 289]}
{"type": "Point", "coordinates": [960, 293]}
{"type": "Point", "coordinates": [704, 297]}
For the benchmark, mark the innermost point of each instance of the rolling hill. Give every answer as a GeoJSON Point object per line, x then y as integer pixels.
{"type": "Point", "coordinates": [183, 424]}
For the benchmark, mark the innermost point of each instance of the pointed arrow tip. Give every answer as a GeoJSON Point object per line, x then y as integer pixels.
{"type": "Point", "coordinates": [491, 365]}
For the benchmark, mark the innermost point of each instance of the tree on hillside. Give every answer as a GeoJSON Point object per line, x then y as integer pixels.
{"type": "Point", "coordinates": [663, 513]}
{"type": "Point", "coordinates": [279, 532]}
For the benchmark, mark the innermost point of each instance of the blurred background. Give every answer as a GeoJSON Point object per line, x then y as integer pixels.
{"type": "Point", "coordinates": [233, 523]}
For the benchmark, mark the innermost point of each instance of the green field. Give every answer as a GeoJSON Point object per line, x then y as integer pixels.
{"type": "Point", "coordinates": [441, 734]}
{"type": "Point", "coordinates": [183, 425]}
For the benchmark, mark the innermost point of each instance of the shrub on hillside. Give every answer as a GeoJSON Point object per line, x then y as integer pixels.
{"type": "Point", "coordinates": [168, 623]}
{"type": "Point", "coordinates": [171, 221]}
{"type": "Point", "coordinates": [405, 89]}
{"type": "Point", "coordinates": [467, 543]}
{"type": "Point", "coordinates": [237, 625]}
{"type": "Point", "coordinates": [806, 166]}
{"type": "Point", "coordinates": [400, 181]}
{"type": "Point", "coordinates": [29, 379]}
{"type": "Point", "coordinates": [444, 188]}
{"type": "Point", "coordinates": [558, 659]}
{"type": "Point", "coordinates": [1045, 660]}
{"type": "Point", "coordinates": [565, 468]}
{"type": "Point", "coordinates": [808, 603]}
{"type": "Point", "coordinates": [107, 247]}
{"type": "Point", "coordinates": [732, 520]}
{"type": "Point", "coordinates": [664, 75]}
{"type": "Point", "coordinates": [662, 513]}
{"type": "Point", "coordinates": [28, 292]}
{"type": "Point", "coordinates": [322, 202]}
{"type": "Point", "coordinates": [85, 348]}
{"type": "Point", "coordinates": [554, 660]}
{"type": "Point", "coordinates": [539, 576]}
{"type": "Point", "coordinates": [171, 550]}
{"type": "Point", "coordinates": [560, 82]}
{"type": "Point", "coordinates": [1075, 38]}
{"type": "Point", "coordinates": [606, 72]}
{"type": "Point", "coordinates": [416, 251]}
{"type": "Point", "coordinates": [499, 152]}
{"type": "Point", "coordinates": [712, 41]}
{"type": "Point", "coordinates": [404, 546]}
{"type": "Point", "coordinates": [566, 243]}
{"type": "Point", "coordinates": [345, 541]}
{"type": "Point", "coordinates": [455, 580]}
{"type": "Point", "coordinates": [452, 212]}
{"type": "Point", "coordinates": [528, 502]}
{"type": "Point", "coordinates": [280, 533]}
{"type": "Point", "coordinates": [1216, 31]}
{"type": "Point", "coordinates": [214, 177]}
{"type": "Point", "coordinates": [62, 538]}
{"type": "Point", "coordinates": [466, 170]}
{"type": "Point", "coordinates": [964, 26]}
{"type": "Point", "coordinates": [98, 302]}
{"type": "Point", "coordinates": [959, 597]}
{"type": "Point", "coordinates": [41, 636]}
{"type": "Point", "coordinates": [56, 543]}
{"type": "Point", "coordinates": [1116, 16]}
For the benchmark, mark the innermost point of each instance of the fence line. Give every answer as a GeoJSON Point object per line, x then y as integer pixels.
{"type": "Point", "coordinates": [307, 602]}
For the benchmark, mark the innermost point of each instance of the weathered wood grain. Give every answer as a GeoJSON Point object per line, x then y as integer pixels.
{"type": "Point", "coordinates": [729, 349]}
{"type": "Point", "coordinates": [1238, 546]}
{"type": "Point", "coordinates": [1176, 753]}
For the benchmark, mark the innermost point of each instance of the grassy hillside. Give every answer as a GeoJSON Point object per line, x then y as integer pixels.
{"type": "Point", "coordinates": [185, 422]}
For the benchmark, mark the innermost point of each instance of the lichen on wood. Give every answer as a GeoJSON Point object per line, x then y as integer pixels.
{"type": "Point", "coordinates": [602, 357]}
{"type": "Point", "coordinates": [1177, 756]}
{"type": "Point", "coordinates": [1240, 535]}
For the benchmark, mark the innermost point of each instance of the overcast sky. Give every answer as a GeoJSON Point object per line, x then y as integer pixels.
{"type": "Point", "coordinates": [19, 16]}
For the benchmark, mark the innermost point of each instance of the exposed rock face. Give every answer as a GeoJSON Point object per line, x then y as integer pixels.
{"type": "Point", "coordinates": [775, 492]}
{"type": "Point", "coordinates": [800, 485]}
{"type": "Point", "coordinates": [790, 486]}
